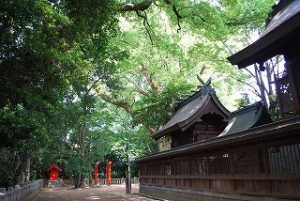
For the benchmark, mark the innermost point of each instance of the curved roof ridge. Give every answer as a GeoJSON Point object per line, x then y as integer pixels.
{"type": "Point", "coordinates": [180, 116]}
{"type": "Point", "coordinates": [201, 91]}
{"type": "Point", "coordinates": [274, 130]}
{"type": "Point", "coordinates": [246, 118]}
{"type": "Point", "coordinates": [247, 108]}
{"type": "Point", "coordinates": [185, 116]}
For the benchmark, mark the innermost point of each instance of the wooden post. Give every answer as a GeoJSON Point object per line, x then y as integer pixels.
{"type": "Point", "coordinates": [128, 177]}
{"type": "Point", "coordinates": [108, 173]}
{"type": "Point", "coordinates": [96, 173]}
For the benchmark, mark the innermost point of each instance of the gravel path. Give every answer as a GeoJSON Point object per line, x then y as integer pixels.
{"type": "Point", "coordinates": [103, 193]}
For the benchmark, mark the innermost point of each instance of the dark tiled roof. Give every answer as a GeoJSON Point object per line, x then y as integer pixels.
{"type": "Point", "coordinates": [283, 29]}
{"type": "Point", "coordinates": [276, 130]}
{"type": "Point", "coordinates": [251, 116]}
{"type": "Point", "coordinates": [282, 16]}
{"type": "Point", "coordinates": [277, 8]}
{"type": "Point", "coordinates": [188, 110]}
{"type": "Point", "coordinates": [201, 92]}
{"type": "Point", "coordinates": [54, 166]}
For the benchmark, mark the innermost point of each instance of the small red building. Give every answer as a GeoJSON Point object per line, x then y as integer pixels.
{"type": "Point", "coordinates": [53, 169]}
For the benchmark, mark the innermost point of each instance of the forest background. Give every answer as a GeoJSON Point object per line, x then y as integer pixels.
{"type": "Point", "coordinates": [84, 81]}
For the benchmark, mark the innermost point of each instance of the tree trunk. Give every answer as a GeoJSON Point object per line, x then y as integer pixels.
{"type": "Point", "coordinates": [260, 84]}
{"type": "Point", "coordinates": [82, 180]}
{"type": "Point", "coordinates": [27, 169]}
{"type": "Point", "coordinates": [272, 100]}
{"type": "Point", "coordinates": [25, 174]}
{"type": "Point", "coordinates": [128, 176]}
{"type": "Point", "coordinates": [77, 180]}
{"type": "Point", "coordinates": [81, 133]}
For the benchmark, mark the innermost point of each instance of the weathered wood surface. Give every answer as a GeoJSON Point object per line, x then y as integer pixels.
{"type": "Point", "coordinates": [134, 180]}
{"type": "Point", "coordinates": [22, 192]}
{"type": "Point", "coordinates": [264, 168]}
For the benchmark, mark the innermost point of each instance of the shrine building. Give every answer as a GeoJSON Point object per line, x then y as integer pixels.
{"type": "Point", "coordinates": [217, 155]}
{"type": "Point", "coordinates": [53, 171]}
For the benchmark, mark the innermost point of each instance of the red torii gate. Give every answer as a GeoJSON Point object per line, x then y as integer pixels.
{"type": "Point", "coordinates": [108, 173]}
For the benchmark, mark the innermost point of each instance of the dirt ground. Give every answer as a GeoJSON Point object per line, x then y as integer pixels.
{"type": "Point", "coordinates": [103, 193]}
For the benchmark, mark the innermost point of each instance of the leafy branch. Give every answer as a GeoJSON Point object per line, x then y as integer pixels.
{"type": "Point", "coordinates": [128, 108]}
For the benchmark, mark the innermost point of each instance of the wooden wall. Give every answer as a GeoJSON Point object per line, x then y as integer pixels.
{"type": "Point", "coordinates": [270, 168]}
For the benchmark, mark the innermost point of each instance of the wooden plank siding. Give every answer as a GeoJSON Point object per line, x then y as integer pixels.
{"type": "Point", "coordinates": [23, 192]}
{"type": "Point", "coordinates": [265, 168]}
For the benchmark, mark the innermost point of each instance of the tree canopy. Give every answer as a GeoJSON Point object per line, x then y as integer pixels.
{"type": "Point", "coordinates": [81, 80]}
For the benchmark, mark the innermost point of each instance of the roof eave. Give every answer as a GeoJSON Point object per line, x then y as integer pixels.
{"type": "Point", "coordinates": [220, 105]}
{"type": "Point", "coordinates": [268, 130]}
{"type": "Point", "coordinates": [266, 46]}
{"type": "Point", "coordinates": [184, 125]}
{"type": "Point", "coordinates": [163, 132]}
{"type": "Point", "coordinates": [178, 126]}
{"type": "Point", "coordinates": [54, 167]}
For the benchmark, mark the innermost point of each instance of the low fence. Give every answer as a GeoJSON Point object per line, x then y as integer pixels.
{"type": "Point", "coordinates": [134, 180]}
{"type": "Point", "coordinates": [23, 192]}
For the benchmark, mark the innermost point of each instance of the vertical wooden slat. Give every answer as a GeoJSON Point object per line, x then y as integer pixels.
{"type": "Point", "coordinates": [280, 160]}
{"type": "Point", "coordinates": [294, 158]}
{"type": "Point", "coordinates": [286, 152]}
{"type": "Point", "coordinates": [208, 165]}
{"type": "Point", "coordinates": [298, 158]}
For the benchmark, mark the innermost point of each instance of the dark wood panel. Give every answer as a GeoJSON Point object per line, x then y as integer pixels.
{"type": "Point", "coordinates": [271, 168]}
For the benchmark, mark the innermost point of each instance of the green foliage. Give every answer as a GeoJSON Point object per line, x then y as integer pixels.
{"type": "Point", "coordinates": [10, 167]}
{"type": "Point", "coordinates": [58, 59]}
{"type": "Point", "coordinates": [244, 101]}
{"type": "Point", "coordinates": [47, 50]}
{"type": "Point", "coordinates": [156, 108]}
{"type": "Point", "coordinates": [126, 139]}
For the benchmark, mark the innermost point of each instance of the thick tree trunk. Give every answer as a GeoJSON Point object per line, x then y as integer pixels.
{"type": "Point", "coordinates": [81, 135]}
{"type": "Point", "coordinates": [27, 169]}
{"type": "Point", "coordinates": [25, 174]}
{"type": "Point", "coordinates": [77, 179]}
{"type": "Point", "coordinates": [82, 180]}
